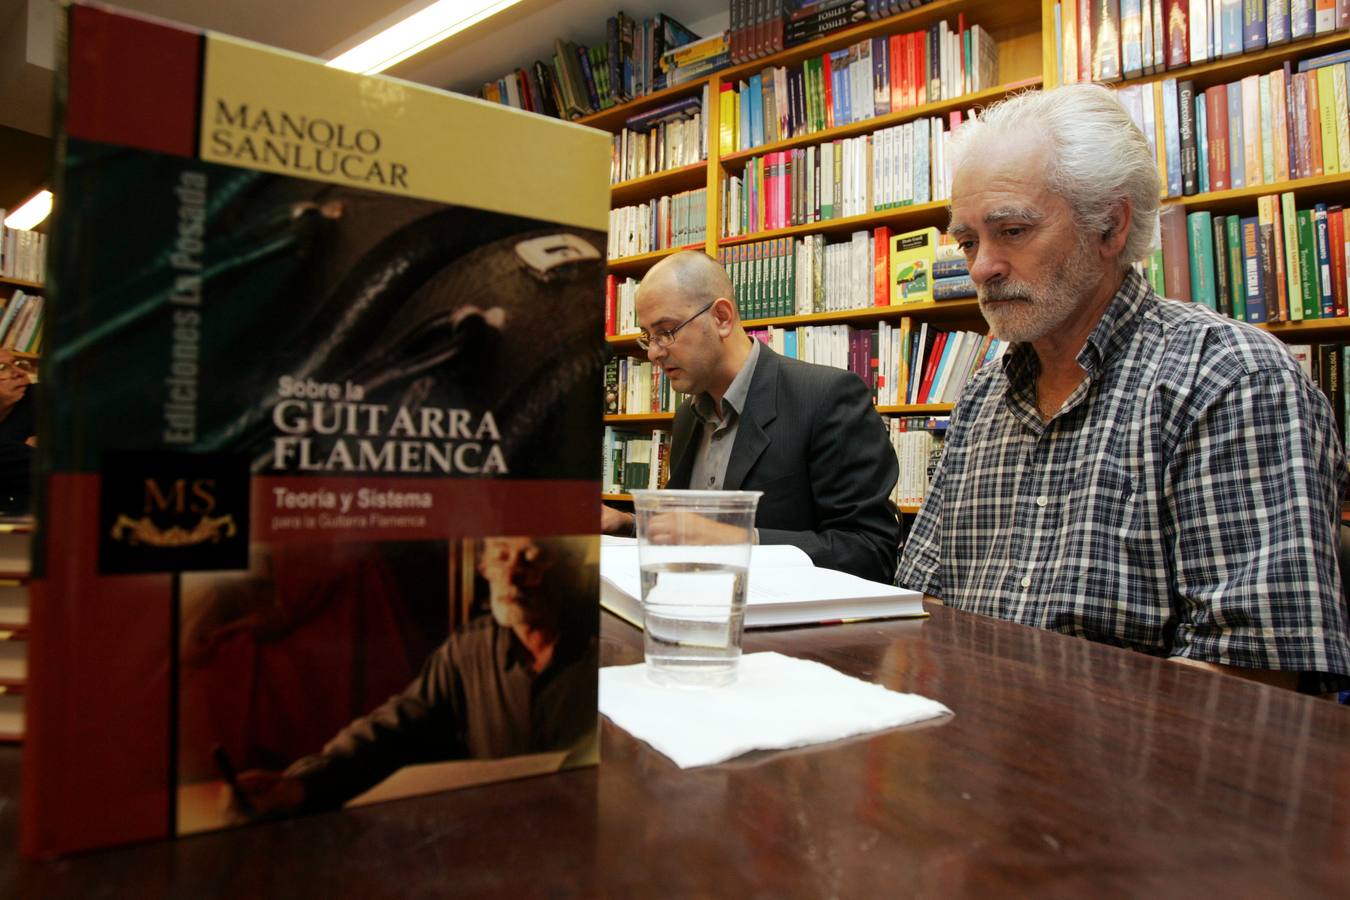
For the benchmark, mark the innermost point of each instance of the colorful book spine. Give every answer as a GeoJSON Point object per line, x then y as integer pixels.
{"type": "Point", "coordinates": [1201, 248]}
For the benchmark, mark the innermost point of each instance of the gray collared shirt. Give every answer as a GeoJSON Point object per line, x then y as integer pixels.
{"type": "Point", "coordinates": [718, 435]}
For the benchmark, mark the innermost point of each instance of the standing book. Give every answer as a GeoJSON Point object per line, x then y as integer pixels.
{"type": "Point", "coordinates": [303, 415]}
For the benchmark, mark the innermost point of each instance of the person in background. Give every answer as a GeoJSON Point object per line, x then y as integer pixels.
{"type": "Point", "coordinates": [18, 432]}
{"type": "Point", "coordinates": [806, 435]}
{"type": "Point", "coordinates": [1136, 471]}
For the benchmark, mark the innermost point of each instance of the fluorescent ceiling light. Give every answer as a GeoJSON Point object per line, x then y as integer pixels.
{"type": "Point", "coordinates": [416, 33]}
{"type": "Point", "coordinates": [31, 213]}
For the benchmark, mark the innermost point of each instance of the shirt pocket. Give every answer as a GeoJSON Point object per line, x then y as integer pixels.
{"type": "Point", "coordinates": [1103, 505]}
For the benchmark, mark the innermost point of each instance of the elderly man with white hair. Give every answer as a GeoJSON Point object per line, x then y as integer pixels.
{"type": "Point", "coordinates": [1136, 471]}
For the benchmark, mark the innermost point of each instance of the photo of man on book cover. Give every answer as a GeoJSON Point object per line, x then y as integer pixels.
{"type": "Point", "coordinates": [311, 678]}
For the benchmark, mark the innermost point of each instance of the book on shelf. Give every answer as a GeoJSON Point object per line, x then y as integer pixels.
{"type": "Point", "coordinates": [912, 257]}
{"type": "Point", "coordinates": [240, 556]}
{"type": "Point", "coordinates": [784, 588]}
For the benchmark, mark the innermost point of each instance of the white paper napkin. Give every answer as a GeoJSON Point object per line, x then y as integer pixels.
{"type": "Point", "coordinates": [777, 701]}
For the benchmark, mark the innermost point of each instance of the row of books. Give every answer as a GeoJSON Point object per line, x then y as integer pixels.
{"type": "Point", "coordinates": [620, 305]}
{"type": "Point", "coordinates": [635, 387]}
{"type": "Point", "coordinates": [668, 137]}
{"type": "Point", "coordinates": [1328, 365]}
{"type": "Point", "coordinates": [581, 80]}
{"type": "Point", "coordinates": [918, 363]}
{"type": "Point", "coordinates": [763, 27]}
{"type": "Point", "coordinates": [23, 254]}
{"type": "Point", "coordinates": [1262, 129]}
{"type": "Point", "coordinates": [853, 84]}
{"type": "Point", "coordinates": [635, 460]}
{"type": "Point", "coordinates": [898, 166]}
{"type": "Point", "coordinates": [678, 220]}
{"type": "Point", "coordinates": [21, 323]}
{"type": "Point", "coordinates": [801, 276]}
{"type": "Point", "coordinates": [1282, 264]}
{"type": "Point", "coordinates": [917, 441]}
{"type": "Point", "coordinates": [1097, 41]}
{"type": "Point", "coordinates": [904, 364]}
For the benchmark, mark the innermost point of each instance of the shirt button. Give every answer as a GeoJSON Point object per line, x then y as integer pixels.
{"type": "Point", "coordinates": [1042, 500]}
{"type": "Point", "coordinates": [1026, 581]}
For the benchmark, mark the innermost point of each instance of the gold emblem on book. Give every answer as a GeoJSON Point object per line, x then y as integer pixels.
{"type": "Point", "coordinates": [143, 531]}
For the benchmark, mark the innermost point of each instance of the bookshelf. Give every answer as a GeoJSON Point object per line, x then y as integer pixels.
{"type": "Point", "coordinates": [1024, 31]}
{"type": "Point", "coordinates": [15, 538]}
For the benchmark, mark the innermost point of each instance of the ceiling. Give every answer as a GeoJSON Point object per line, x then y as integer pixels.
{"type": "Point", "coordinates": [512, 38]}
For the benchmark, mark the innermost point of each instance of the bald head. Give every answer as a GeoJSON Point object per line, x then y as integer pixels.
{"type": "Point", "coordinates": [693, 277]}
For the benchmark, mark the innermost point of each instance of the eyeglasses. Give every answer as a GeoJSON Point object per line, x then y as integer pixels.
{"type": "Point", "coordinates": [21, 365]}
{"type": "Point", "coordinates": [666, 336]}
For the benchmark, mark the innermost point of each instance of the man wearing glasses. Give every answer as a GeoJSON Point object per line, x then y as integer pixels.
{"type": "Point", "coordinates": [806, 435]}
{"type": "Point", "coordinates": [17, 432]}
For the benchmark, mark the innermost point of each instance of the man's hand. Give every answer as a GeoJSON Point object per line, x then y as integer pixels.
{"type": "Point", "coordinates": [270, 794]}
{"type": "Point", "coordinates": [691, 528]}
{"type": "Point", "coordinates": [613, 521]}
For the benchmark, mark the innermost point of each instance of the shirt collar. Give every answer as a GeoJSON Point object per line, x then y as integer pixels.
{"type": "Point", "coordinates": [733, 401]}
{"type": "Point", "coordinates": [1113, 331]}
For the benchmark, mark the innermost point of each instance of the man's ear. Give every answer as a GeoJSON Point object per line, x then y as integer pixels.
{"type": "Point", "coordinates": [724, 313]}
{"type": "Point", "coordinates": [1117, 231]}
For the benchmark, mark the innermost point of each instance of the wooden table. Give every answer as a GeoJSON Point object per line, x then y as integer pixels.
{"type": "Point", "coordinates": [1070, 769]}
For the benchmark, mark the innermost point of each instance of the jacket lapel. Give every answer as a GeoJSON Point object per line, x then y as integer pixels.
{"type": "Point", "coordinates": [760, 409]}
{"type": "Point", "coordinates": [681, 453]}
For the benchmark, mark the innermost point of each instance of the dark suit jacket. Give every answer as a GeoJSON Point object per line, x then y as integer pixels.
{"type": "Point", "coordinates": [810, 439]}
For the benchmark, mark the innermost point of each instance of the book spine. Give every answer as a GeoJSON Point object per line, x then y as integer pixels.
{"type": "Point", "coordinates": [1251, 269]}
{"type": "Point", "coordinates": [1186, 129]}
{"type": "Point", "coordinates": [1201, 247]}
{"type": "Point", "coordinates": [1292, 268]}
{"type": "Point", "coordinates": [1222, 288]}
{"type": "Point", "coordinates": [1237, 273]}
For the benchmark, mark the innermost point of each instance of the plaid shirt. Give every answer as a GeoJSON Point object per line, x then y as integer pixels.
{"type": "Point", "coordinates": [1185, 501]}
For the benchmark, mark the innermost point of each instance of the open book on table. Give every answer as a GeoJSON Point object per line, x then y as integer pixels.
{"type": "Point", "coordinates": [785, 588]}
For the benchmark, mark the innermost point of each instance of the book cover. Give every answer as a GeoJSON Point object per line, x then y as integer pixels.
{"type": "Point", "coordinates": [1277, 22]}
{"type": "Point", "coordinates": [1237, 273]}
{"type": "Point", "coordinates": [1292, 270]}
{"type": "Point", "coordinates": [1253, 25]}
{"type": "Point", "coordinates": [1201, 247]}
{"type": "Point", "coordinates": [912, 255]}
{"type": "Point", "coordinates": [1178, 33]}
{"type": "Point", "coordinates": [1222, 288]}
{"type": "Point", "coordinates": [308, 413]}
{"type": "Point", "coordinates": [1308, 274]}
{"type": "Point", "coordinates": [1176, 254]}
{"type": "Point", "coordinates": [1322, 248]}
{"type": "Point", "coordinates": [1186, 126]}
{"type": "Point", "coordinates": [1252, 271]}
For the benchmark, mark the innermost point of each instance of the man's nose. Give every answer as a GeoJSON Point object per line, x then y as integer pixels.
{"type": "Point", "coordinates": [987, 264]}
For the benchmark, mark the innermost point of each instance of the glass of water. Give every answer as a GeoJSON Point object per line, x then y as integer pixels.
{"type": "Point", "coordinates": [694, 553]}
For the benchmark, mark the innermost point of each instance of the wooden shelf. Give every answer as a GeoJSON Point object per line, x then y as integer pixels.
{"type": "Point", "coordinates": [1243, 199]}
{"type": "Point", "coordinates": [13, 632]}
{"type": "Point", "coordinates": [636, 190]}
{"type": "Point", "coordinates": [905, 218]}
{"type": "Point", "coordinates": [20, 283]}
{"type": "Point", "coordinates": [617, 498]}
{"type": "Point", "coordinates": [1308, 329]}
{"type": "Point", "coordinates": [867, 126]}
{"type": "Point", "coordinates": [655, 418]}
{"type": "Point", "coordinates": [908, 509]}
{"type": "Point", "coordinates": [612, 119]}
{"type": "Point", "coordinates": [634, 265]}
